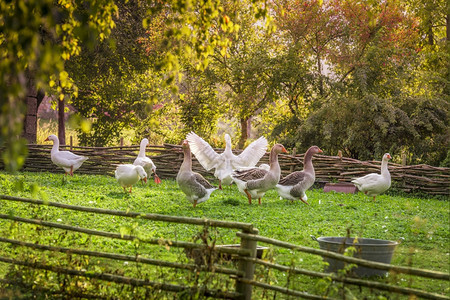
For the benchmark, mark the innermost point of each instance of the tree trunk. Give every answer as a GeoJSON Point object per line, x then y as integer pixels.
{"type": "Point", "coordinates": [61, 123]}
{"type": "Point", "coordinates": [319, 69]}
{"type": "Point", "coordinates": [430, 34]}
{"type": "Point", "coordinates": [244, 133]}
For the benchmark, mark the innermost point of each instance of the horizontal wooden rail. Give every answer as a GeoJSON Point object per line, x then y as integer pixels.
{"type": "Point", "coordinates": [121, 279]}
{"type": "Point", "coordinates": [140, 259]}
{"type": "Point", "coordinates": [348, 259]}
{"type": "Point", "coordinates": [167, 242]}
{"type": "Point", "coordinates": [349, 280]}
{"type": "Point", "coordinates": [154, 217]}
{"type": "Point", "coordinates": [283, 290]}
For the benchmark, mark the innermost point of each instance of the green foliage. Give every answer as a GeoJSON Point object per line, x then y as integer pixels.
{"type": "Point", "coordinates": [199, 103]}
{"type": "Point", "coordinates": [382, 92]}
{"type": "Point", "coordinates": [162, 69]}
{"type": "Point", "coordinates": [42, 40]}
{"type": "Point", "coordinates": [116, 88]}
{"type": "Point", "coordinates": [36, 37]}
{"type": "Point", "coordinates": [243, 70]}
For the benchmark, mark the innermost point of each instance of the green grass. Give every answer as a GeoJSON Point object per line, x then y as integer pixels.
{"type": "Point", "coordinates": [420, 224]}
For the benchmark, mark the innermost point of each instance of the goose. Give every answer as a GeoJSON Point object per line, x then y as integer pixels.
{"type": "Point", "coordinates": [67, 160]}
{"type": "Point", "coordinates": [146, 162]}
{"type": "Point", "coordinates": [293, 186]}
{"type": "Point", "coordinates": [374, 184]}
{"type": "Point", "coordinates": [194, 185]}
{"type": "Point", "coordinates": [127, 175]}
{"type": "Point", "coordinates": [254, 182]}
{"type": "Point", "coordinates": [225, 162]}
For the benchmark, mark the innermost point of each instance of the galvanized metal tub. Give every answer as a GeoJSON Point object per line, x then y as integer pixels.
{"type": "Point", "coordinates": [366, 248]}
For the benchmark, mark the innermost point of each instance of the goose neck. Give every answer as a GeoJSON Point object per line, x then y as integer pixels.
{"type": "Point", "coordinates": [55, 147]}
{"type": "Point", "coordinates": [384, 168]}
{"type": "Point", "coordinates": [142, 149]}
{"type": "Point", "coordinates": [307, 162]}
{"type": "Point", "coordinates": [273, 160]}
{"type": "Point", "coordinates": [187, 160]}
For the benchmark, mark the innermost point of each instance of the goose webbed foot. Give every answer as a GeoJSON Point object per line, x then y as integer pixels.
{"type": "Point", "coordinates": [248, 196]}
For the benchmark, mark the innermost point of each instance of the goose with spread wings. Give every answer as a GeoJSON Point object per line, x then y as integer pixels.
{"type": "Point", "coordinates": [225, 162]}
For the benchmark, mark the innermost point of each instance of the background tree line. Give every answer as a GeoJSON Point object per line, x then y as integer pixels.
{"type": "Point", "coordinates": [364, 77]}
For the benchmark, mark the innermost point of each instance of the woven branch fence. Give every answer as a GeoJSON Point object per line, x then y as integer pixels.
{"type": "Point", "coordinates": [168, 159]}
{"type": "Point", "coordinates": [246, 276]}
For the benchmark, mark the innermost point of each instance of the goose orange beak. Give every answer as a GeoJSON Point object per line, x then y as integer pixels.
{"type": "Point", "coordinates": [46, 140]}
{"type": "Point", "coordinates": [284, 150]}
{"type": "Point", "coordinates": [145, 179]}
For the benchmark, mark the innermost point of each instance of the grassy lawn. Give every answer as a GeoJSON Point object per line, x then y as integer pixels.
{"type": "Point", "coordinates": [420, 224]}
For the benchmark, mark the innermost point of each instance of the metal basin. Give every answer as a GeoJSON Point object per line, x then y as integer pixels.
{"type": "Point", "coordinates": [369, 249]}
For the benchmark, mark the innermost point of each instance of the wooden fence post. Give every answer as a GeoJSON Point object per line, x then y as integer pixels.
{"type": "Point", "coordinates": [121, 142]}
{"type": "Point", "coordinates": [294, 151]}
{"type": "Point", "coordinates": [71, 142]}
{"type": "Point", "coordinates": [247, 267]}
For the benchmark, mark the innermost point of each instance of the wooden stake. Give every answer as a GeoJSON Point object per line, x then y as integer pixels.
{"type": "Point", "coordinates": [247, 267]}
{"type": "Point", "coordinates": [294, 151]}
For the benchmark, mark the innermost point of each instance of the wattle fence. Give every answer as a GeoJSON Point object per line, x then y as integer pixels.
{"type": "Point", "coordinates": [168, 158]}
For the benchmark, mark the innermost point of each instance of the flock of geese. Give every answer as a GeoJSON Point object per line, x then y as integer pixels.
{"type": "Point", "coordinates": [252, 181]}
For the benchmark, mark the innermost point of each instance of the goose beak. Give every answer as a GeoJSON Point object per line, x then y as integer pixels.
{"type": "Point", "coordinates": [320, 151]}
{"type": "Point", "coordinates": [389, 156]}
{"type": "Point", "coordinates": [145, 179]}
{"type": "Point", "coordinates": [284, 150]}
{"type": "Point", "coordinates": [46, 140]}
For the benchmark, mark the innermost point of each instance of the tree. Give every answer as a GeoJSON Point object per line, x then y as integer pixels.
{"type": "Point", "coordinates": [114, 78]}
{"type": "Point", "coordinates": [198, 101]}
{"type": "Point", "coordinates": [39, 37]}
{"type": "Point", "coordinates": [36, 37]}
{"type": "Point", "coordinates": [244, 69]}
{"type": "Point", "coordinates": [372, 100]}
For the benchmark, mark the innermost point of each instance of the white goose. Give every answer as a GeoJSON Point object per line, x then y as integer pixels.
{"type": "Point", "coordinates": [194, 185]}
{"type": "Point", "coordinates": [255, 182]}
{"type": "Point", "coordinates": [127, 175]}
{"type": "Point", "coordinates": [374, 184]}
{"type": "Point", "coordinates": [67, 160]}
{"type": "Point", "coordinates": [226, 162]}
{"type": "Point", "coordinates": [146, 162]}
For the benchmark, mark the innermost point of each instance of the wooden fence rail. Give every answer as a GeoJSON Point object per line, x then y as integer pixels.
{"type": "Point", "coordinates": [244, 274]}
{"type": "Point", "coordinates": [168, 159]}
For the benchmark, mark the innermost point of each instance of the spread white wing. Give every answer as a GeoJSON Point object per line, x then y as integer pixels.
{"type": "Point", "coordinates": [204, 153]}
{"type": "Point", "coordinates": [252, 154]}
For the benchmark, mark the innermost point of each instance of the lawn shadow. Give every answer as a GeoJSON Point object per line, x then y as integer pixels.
{"type": "Point", "coordinates": [119, 195]}
{"type": "Point", "coordinates": [232, 202]}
